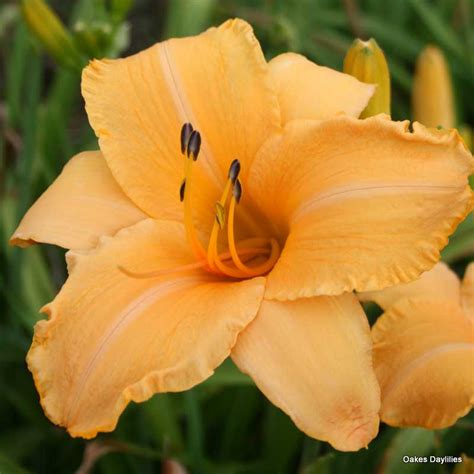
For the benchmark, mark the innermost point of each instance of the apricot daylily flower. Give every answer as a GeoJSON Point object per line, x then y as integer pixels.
{"type": "Point", "coordinates": [424, 349]}
{"type": "Point", "coordinates": [238, 238]}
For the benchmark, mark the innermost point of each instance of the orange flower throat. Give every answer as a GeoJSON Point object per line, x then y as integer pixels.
{"type": "Point", "coordinates": [237, 261]}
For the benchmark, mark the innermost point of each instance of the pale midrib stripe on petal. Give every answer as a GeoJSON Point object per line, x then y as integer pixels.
{"type": "Point", "coordinates": [347, 192]}
{"type": "Point", "coordinates": [419, 362]}
{"type": "Point", "coordinates": [123, 319]}
{"type": "Point", "coordinates": [184, 109]}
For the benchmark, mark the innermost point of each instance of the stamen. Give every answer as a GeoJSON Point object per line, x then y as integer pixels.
{"type": "Point", "coordinates": [182, 189]}
{"type": "Point", "coordinates": [194, 145]}
{"type": "Point", "coordinates": [234, 170]}
{"type": "Point", "coordinates": [186, 131]}
{"type": "Point", "coordinates": [237, 191]}
{"type": "Point", "coordinates": [192, 149]}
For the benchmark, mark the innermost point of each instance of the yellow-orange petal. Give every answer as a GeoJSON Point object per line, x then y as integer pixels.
{"type": "Point", "coordinates": [218, 81]}
{"type": "Point", "coordinates": [366, 203]}
{"type": "Point", "coordinates": [111, 339]}
{"type": "Point", "coordinates": [312, 358]}
{"type": "Point", "coordinates": [308, 91]}
{"type": "Point", "coordinates": [467, 291]}
{"type": "Point", "coordinates": [424, 359]}
{"type": "Point", "coordinates": [440, 281]}
{"type": "Point", "coordinates": [83, 204]}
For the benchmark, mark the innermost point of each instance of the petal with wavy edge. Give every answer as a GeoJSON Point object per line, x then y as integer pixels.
{"type": "Point", "coordinates": [83, 204]}
{"type": "Point", "coordinates": [218, 81]}
{"type": "Point", "coordinates": [365, 203]}
{"type": "Point", "coordinates": [308, 91]}
{"type": "Point", "coordinates": [439, 281]}
{"type": "Point", "coordinates": [111, 339]}
{"type": "Point", "coordinates": [312, 358]}
{"type": "Point", "coordinates": [423, 358]}
{"type": "Point", "coordinates": [467, 291]}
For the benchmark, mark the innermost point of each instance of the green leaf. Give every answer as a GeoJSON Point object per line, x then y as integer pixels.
{"type": "Point", "coordinates": [37, 288]}
{"type": "Point", "coordinates": [195, 431]}
{"type": "Point", "coordinates": [7, 221]}
{"type": "Point", "coordinates": [408, 442]}
{"type": "Point", "coordinates": [242, 411]}
{"type": "Point", "coordinates": [13, 345]}
{"type": "Point", "coordinates": [16, 77]}
{"type": "Point", "coordinates": [29, 128]}
{"type": "Point", "coordinates": [322, 465]}
{"type": "Point", "coordinates": [7, 466]}
{"type": "Point", "coordinates": [439, 28]}
{"type": "Point", "coordinates": [227, 374]}
{"type": "Point", "coordinates": [400, 76]}
{"type": "Point", "coordinates": [54, 144]}
{"type": "Point", "coordinates": [163, 420]}
{"type": "Point", "coordinates": [22, 397]}
{"type": "Point", "coordinates": [282, 440]}
{"type": "Point", "coordinates": [365, 460]}
{"type": "Point", "coordinates": [187, 18]}
{"type": "Point", "coordinates": [458, 438]}
{"type": "Point", "coordinates": [392, 37]}
{"type": "Point", "coordinates": [20, 442]}
{"type": "Point", "coordinates": [461, 243]}
{"type": "Point", "coordinates": [120, 8]}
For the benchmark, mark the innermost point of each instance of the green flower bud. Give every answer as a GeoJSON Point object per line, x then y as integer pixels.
{"type": "Point", "coordinates": [365, 61]}
{"type": "Point", "coordinates": [433, 102]}
{"type": "Point", "coordinates": [51, 33]}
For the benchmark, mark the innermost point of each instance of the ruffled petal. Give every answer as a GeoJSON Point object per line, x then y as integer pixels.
{"type": "Point", "coordinates": [83, 204]}
{"type": "Point", "coordinates": [439, 281]}
{"type": "Point", "coordinates": [467, 291]}
{"type": "Point", "coordinates": [365, 204]}
{"type": "Point", "coordinates": [424, 359]}
{"type": "Point", "coordinates": [312, 358]}
{"type": "Point", "coordinates": [218, 81]}
{"type": "Point", "coordinates": [308, 91]}
{"type": "Point", "coordinates": [111, 339]}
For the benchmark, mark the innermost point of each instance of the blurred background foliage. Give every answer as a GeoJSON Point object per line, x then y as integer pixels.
{"type": "Point", "coordinates": [225, 425]}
